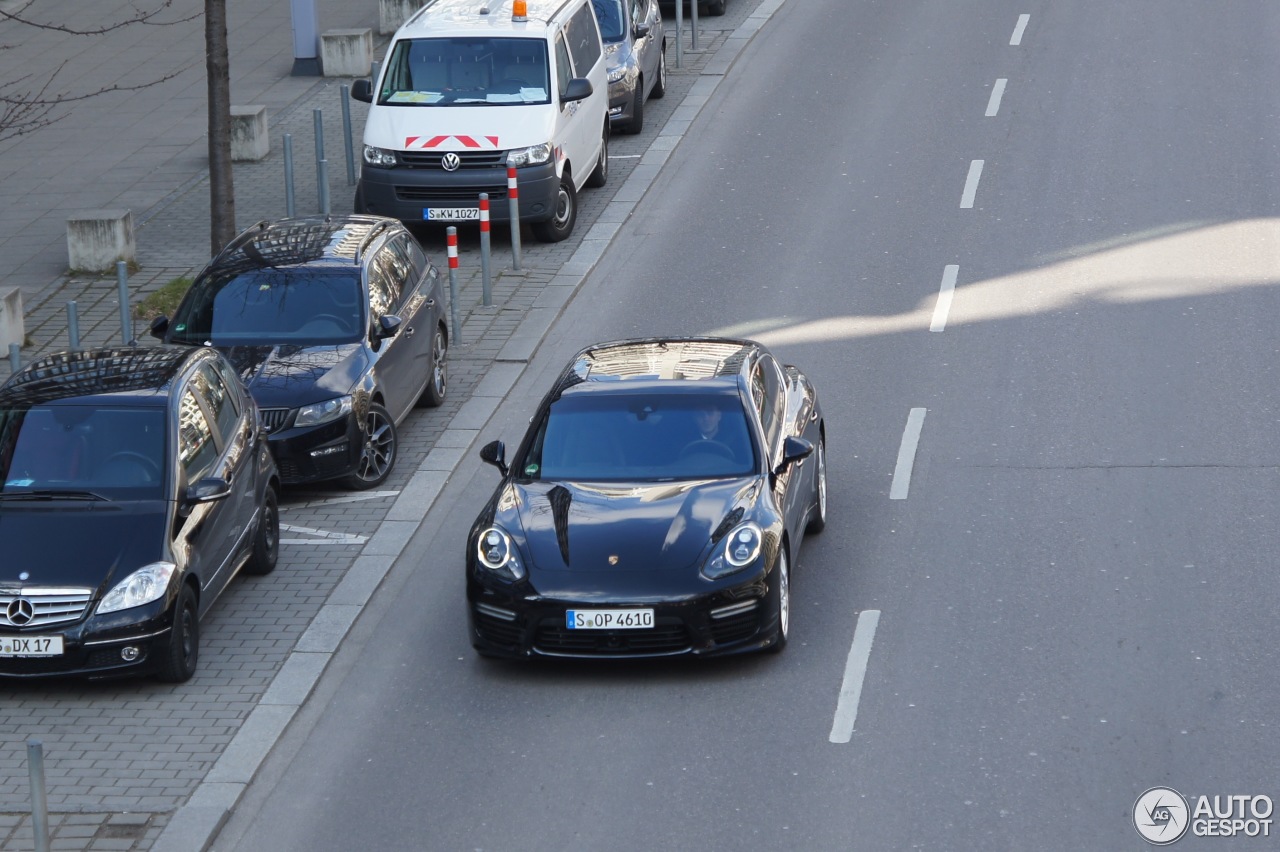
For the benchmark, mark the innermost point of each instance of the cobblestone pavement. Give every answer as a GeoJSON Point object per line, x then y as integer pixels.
{"type": "Point", "coordinates": [123, 759]}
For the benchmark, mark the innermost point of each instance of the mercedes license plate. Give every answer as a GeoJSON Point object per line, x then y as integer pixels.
{"type": "Point", "coordinates": [608, 619]}
{"type": "Point", "coordinates": [30, 646]}
{"type": "Point", "coordinates": [450, 214]}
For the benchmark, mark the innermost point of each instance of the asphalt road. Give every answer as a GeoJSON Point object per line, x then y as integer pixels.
{"type": "Point", "coordinates": [1075, 585]}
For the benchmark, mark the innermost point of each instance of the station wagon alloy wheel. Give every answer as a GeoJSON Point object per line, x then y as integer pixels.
{"type": "Point", "coordinates": [379, 453]}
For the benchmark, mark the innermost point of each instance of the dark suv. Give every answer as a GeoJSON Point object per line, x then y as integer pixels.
{"type": "Point", "coordinates": [134, 484]}
{"type": "Point", "coordinates": [336, 324]}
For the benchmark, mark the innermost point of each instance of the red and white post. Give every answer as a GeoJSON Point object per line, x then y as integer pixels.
{"type": "Point", "coordinates": [486, 286]}
{"type": "Point", "coordinates": [452, 239]}
{"type": "Point", "coordinates": [513, 202]}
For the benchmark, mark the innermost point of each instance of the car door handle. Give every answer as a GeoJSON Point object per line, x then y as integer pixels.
{"type": "Point", "coordinates": [431, 303]}
{"type": "Point", "coordinates": [408, 332]}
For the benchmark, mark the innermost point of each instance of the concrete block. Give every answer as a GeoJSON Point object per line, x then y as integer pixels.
{"type": "Point", "coordinates": [249, 139]}
{"type": "Point", "coordinates": [393, 13]}
{"type": "Point", "coordinates": [97, 239]}
{"type": "Point", "coordinates": [346, 53]}
{"type": "Point", "coordinates": [12, 329]}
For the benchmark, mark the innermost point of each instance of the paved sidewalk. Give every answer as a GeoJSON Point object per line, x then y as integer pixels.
{"type": "Point", "coordinates": [144, 766]}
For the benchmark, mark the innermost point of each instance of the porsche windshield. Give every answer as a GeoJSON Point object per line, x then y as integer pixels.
{"type": "Point", "coordinates": [642, 437]}
{"type": "Point", "coordinates": [466, 72]}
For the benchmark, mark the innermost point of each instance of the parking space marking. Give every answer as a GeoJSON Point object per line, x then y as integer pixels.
{"type": "Point", "coordinates": [947, 290]}
{"type": "Point", "coordinates": [345, 498]}
{"type": "Point", "coordinates": [907, 455]}
{"type": "Point", "coordinates": [1018, 30]}
{"type": "Point", "coordinates": [997, 92]}
{"type": "Point", "coordinates": [320, 536]}
{"type": "Point", "coordinates": [855, 672]}
{"type": "Point", "coordinates": [971, 184]}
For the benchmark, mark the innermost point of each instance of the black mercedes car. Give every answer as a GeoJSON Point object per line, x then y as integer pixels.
{"type": "Point", "coordinates": [336, 324]}
{"type": "Point", "coordinates": [135, 483]}
{"type": "Point", "coordinates": [654, 507]}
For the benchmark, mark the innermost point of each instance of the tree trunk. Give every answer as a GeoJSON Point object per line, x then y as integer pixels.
{"type": "Point", "coordinates": [222, 200]}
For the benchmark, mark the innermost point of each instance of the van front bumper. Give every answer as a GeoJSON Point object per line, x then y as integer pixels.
{"type": "Point", "coordinates": [406, 194]}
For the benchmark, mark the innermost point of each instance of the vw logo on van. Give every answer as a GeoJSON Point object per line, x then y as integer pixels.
{"type": "Point", "coordinates": [450, 161]}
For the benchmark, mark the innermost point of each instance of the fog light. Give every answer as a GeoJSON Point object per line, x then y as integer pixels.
{"type": "Point", "coordinates": [328, 451]}
{"type": "Point", "coordinates": [129, 653]}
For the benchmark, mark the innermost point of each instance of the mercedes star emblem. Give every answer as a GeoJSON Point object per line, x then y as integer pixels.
{"type": "Point", "coordinates": [20, 612]}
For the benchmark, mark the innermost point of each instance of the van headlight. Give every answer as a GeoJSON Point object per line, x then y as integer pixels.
{"type": "Point", "coordinates": [534, 155]}
{"type": "Point", "coordinates": [143, 586]}
{"type": "Point", "coordinates": [380, 157]}
{"type": "Point", "coordinates": [323, 412]}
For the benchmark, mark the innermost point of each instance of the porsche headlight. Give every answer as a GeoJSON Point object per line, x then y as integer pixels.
{"type": "Point", "coordinates": [143, 586]}
{"type": "Point", "coordinates": [380, 157]}
{"type": "Point", "coordinates": [323, 412]}
{"type": "Point", "coordinates": [532, 156]}
{"type": "Point", "coordinates": [495, 552]}
{"type": "Point", "coordinates": [738, 550]}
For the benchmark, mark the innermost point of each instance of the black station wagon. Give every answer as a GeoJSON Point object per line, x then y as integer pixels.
{"type": "Point", "coordinates": [336, 325]}
{"type": "Point", "coordinates": [135, 483]}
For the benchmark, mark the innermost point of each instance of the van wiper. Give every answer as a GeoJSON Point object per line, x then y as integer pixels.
{"type": "Point", "coordinates": [50, 494]}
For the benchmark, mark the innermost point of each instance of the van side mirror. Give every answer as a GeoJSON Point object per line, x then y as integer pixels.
{"type": "Point", "coordinates": [362, 90]}
{"type": "Point", "coordinates": [579, 88]}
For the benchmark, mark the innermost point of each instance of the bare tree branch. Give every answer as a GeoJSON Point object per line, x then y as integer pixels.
{"type": "Point", "coordinates": [146, 18]}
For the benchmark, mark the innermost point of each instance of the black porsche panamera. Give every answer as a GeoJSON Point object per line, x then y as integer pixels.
{"type": "Point", "coordinates": [654, 508]}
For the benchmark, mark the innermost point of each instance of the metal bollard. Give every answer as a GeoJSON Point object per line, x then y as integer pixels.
{"type": "Point", "coordinates": [288, 174]}
{"type": "Point", "coordinates": [15, 357]}
{"type": "Point", "coordinates": [680, 33]}
{"type": "Point", "coordinates": [73, 326]}
{"type": "Point", "coordinates": [122, 288]}
{"type": "Point", "coordinates": [322, 185]}
{"type": "Point", "coordinates": [451, 234]}
{"type": "Point", "coordinates": [39, 802]}
{"type": "Point", "coordinates": [486, 286]}
{"type": "Point", "coordinates": [513, 203]}
{"type": "Point", "coordinates": [346, 135]}
{"type": "Point", "coordinates": [693, 23]}
{"type": "Point", "coordinates": [317, 118]}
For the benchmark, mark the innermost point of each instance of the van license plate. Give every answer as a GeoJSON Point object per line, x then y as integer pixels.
{"type": "Point", "coordinates": [450, 214]}
{"type": "Point", "coordinates": [30, 646]}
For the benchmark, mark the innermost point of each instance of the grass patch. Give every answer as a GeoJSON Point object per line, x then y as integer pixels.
{"type": "Point", "coordinates": [163, 301]}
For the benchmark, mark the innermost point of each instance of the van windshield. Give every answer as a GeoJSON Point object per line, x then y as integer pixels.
{"type": "Point", "coordinates": [466, 72]}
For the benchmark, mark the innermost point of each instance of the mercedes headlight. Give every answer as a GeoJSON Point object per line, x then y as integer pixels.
{"type": "Point", "coordinates": [323, 412]}
{"type": "Point", "coordinates": [534, 155]}
{"type": "Point", "coordinates": [143, 586]}
{"type": "Point", "coordinates": [495, 552]}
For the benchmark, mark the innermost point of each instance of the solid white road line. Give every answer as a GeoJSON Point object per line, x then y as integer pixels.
{"type": "Point", "coordinates": [940, 311]}
{"type": "Point", "coordinates": [855, 672]}
{"type": "Point", "coordinates": [971, 185]}
{"type": "Point", "coordinates": [1019, 29]}
{"type": "Point", "coordinates": [997, 92]}
{"type": "Point", "coordinates": [907, 455]}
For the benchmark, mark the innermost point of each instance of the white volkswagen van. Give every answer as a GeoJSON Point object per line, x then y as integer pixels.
{"type": "Point", "coordinates": [470, 87]}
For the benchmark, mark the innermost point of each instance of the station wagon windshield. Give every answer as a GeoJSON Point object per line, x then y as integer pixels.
{"type": "Point", "coordinates": [466, 72]}
{"type": "Point", "coordinates": [267, 307]}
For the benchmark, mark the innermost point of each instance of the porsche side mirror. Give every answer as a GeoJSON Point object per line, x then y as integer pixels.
{"type": "Point", "coordinates": [495, 453]}
{"type": "Point", "coordinates": [388, 325]}
{"type": "Point", "coordinates": [793, 450]}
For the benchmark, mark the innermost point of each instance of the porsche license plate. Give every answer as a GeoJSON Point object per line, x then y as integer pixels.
{"type": "Point", "coordinates": [30, 646]}
{"type": "Point", "coordinates": [451, 214]}
{"type": "Point", "coordinates": [608, 619]}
